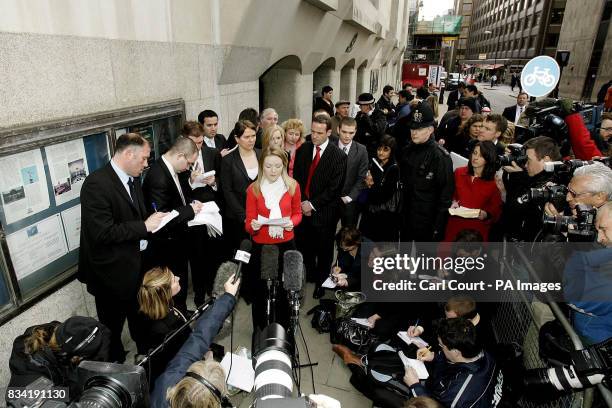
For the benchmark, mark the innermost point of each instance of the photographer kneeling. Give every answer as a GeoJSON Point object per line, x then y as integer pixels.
{"type": "Point", "coordinates": [522, 221]}
{"type": "Point", "coordinates": [54, 350]}
{"type": "Point", "coordinates": [188, 381]}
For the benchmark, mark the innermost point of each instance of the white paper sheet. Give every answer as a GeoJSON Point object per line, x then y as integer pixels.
{"type": "Point", "coordinates": [417, 341]}
{"type": "Point", "coordinates": [199, 180]}
{"type": "Point", "coordinates": [275, 221]}
{"type": "Point", "coordinates": [329, 283]}
{"type": "Point", "coordinates": [363, 322]}
{"type": "Point", "coordinates": [464, 212]}
{"type": "Point", "coordinates": [418, 365]}
{"type": "Point", "coordinates": [72, 226]}
{"type": "Point", "coordinates": [37, 245]}
{"type": "Point", "coordinates": [242, 375]}
{"type": "Point", "coordinates": [169, 217]}
{"type": "Point", "coordinates": [67, 168]}
{"type": "Point", "coordinates": [458, 160]}
{"type": "Point", "coordinates": [23, 185]}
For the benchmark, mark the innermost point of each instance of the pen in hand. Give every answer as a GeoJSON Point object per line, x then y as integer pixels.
{"type": "Point", "coordinates": [154, 206]}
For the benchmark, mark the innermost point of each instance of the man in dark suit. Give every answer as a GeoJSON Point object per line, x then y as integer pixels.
{"type": "Point", "coordinates": [114, 237]}
{"type": "Point", "coordinates": [356, 171]}
{"type": "Point", "coordinates": [319, 169]}
{"type": "Point", "coordinates": [513, 113]}
{"type": "Point", "coordinates": [210, 122]}
{"type": "Point", "coordinates": [455, 95]}
{"type": "Point", "coordinates": [371, 123]}
{"type": "Point", "coordinates": [164, 191]}
{"type": "Point", "coordinates": [205, 249]}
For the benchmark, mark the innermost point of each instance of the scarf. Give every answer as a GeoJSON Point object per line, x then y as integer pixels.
{"type": "Point", "coordinates": [272, 193]}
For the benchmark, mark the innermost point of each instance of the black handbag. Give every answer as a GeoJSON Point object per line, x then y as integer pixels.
{"type": "Point", "coordinates": [353, 335]}
{"type": "Point", "coordinates": [394, 203]}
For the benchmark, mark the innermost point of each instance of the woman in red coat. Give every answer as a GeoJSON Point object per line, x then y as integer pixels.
{"type": "Point", "coordinates": [272, 196]}
{"type": "Point", "coordinates": [475, 188]}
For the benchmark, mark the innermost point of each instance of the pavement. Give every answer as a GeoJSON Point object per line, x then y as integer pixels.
{"type": "Point", "coordinates": [331, 375]}
{"type": "Point", "coordinates": [500, 96]}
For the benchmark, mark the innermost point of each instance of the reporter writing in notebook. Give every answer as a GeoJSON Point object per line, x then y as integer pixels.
{"type": "Point", "coordinates": [272, 196]}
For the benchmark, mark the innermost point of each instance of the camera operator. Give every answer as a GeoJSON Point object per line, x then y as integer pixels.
{"type": "Point", "coordinates": [580, 140]}
{"type": "Point", "coordinates": [54, 350]}
{"type": "Point", "coordinates": [588, 283]}
{"type": "Point", "coordinates": [188, 381]}
{"type": "Point", "coordinates": [523, 221]}
{"type": "Point", "coordinates": [590, 185]}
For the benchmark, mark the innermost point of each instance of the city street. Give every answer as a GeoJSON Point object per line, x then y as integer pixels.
{"type": "Point", "coordinates": [500, 96]}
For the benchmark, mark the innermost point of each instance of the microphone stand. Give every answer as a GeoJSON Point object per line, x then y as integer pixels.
{"type": "Point", "coordinates": [198, 312]}
{"type": "Point", "coordinates": [271, 312]}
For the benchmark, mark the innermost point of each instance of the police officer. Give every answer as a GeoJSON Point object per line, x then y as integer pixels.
{"type": "Point", "coordinates": [428, 182]}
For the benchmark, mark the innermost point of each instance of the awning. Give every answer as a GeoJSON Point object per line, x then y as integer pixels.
{"type": "Point", "coordinates": [489, 66]}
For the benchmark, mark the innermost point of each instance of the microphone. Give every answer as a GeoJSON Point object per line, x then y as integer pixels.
{"type": "Point", "coordinates": [243, 255]}
{"type": "Point", "coordinates": [269, 262]}
{"type": "Point", "coordinates": [269, 272]}
{"type": "Point", "coordinates": [293, 275]}
{"type": "Point", "coordinates": [293, 271]}
{"type": "Point", "coordinates": [226, 269]}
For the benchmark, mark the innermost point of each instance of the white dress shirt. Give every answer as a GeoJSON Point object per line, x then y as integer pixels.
{"type": "Point", "coordinates": [175, 178]}
{"type": "Point", "coordinates": [519, 110]}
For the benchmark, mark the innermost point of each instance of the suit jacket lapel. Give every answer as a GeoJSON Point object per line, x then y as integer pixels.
{"type": "Point", "coordinates": [121, 187]}
{"type": "Point", "coordinates": [166, 171]}
{"type": "Point", "coordinates": [238, 162]}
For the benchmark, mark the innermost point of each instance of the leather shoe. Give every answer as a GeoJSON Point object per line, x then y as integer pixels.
{"type": "Point", "coordinates": [318, 292]}
{"type": "Point", "coordinates": [347, 355]}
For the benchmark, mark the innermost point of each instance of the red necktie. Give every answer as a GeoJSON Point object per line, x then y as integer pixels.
{"type": "Point", "coordinates": [313, 166]}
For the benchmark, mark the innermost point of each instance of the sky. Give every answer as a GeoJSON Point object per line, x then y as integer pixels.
{"type": "Point", "coordinates": [432, 8]}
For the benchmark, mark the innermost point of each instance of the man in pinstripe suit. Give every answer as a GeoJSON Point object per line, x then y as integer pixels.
{"type": "Point", "coordinates": [320, 167]}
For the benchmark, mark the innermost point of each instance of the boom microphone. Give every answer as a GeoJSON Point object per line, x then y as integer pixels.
{"type": "Point", "coordinates": [226, 269]}
{"type": "Point", "coordinates": [293, 271]}
{"type": "Point", "coordinates": [243, 255]}
{"type": "Point", "coordinates": [269, 262]}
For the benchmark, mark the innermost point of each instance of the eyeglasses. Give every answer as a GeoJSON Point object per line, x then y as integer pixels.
{"type": "Point", "coordinates": [608, 129]}
{"type": "Point", "coordinates": [576, 194]}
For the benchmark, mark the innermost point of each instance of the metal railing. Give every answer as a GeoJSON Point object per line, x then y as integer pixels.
{"type": "Point", "coordinates": [515, 321]}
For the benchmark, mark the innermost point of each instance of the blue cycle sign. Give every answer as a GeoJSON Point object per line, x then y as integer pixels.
{"type": "Point", "coordinates": [540, 76]}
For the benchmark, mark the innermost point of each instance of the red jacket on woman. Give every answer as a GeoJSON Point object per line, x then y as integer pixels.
{"type": "Point", "coordinates": [290, 206]}
{"type": "Point", "coordinates": [476, 193]}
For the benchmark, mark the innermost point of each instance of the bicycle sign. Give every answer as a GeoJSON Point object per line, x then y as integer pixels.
{"type": "Point", "coordinates": [540, 76]}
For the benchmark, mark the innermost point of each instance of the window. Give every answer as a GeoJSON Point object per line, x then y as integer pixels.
{"type": "Point", "coordinates": [551, 40]}
{"type": "Point", "coordinates": [556, 16]}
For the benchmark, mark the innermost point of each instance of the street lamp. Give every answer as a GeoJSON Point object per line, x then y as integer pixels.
{"type": "Point", "coordinates": [496, 47]}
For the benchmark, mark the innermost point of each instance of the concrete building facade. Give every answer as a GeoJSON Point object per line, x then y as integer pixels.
{"type": "Point", "coordinates": [586, 32]}
{"type": "Point", "coordinates": [63, 58]}
{"type": "Point", "coordinates": [508, 33]}
{"type": "Point", "coordinates": [462, 8]}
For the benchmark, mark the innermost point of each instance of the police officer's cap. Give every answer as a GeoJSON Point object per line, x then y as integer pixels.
{"type": "Point", "coordinates": [421, 116]}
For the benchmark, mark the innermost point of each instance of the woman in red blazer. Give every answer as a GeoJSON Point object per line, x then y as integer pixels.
{"type": "Point", "coordinates": [272, 196]}
{"type": "Point", "coordinates": [475, 188]}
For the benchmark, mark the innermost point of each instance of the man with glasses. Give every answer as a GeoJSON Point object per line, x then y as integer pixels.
{"type": "Point", "coordinates": [605, 131]}
{"type": "Point", "coordinates": [590, 185]}
{"type": "Point", "coordinates": [164, 191]}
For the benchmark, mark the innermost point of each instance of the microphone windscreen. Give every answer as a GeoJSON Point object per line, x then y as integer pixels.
{"type": "Point", "coordinates": [269, 262]}
{"type": "Point", "coordinates": [293, 270]}
{"type": "Point", "coordinates": [246, 245]}
{"type": "Point", "coordinates": [226, 269]}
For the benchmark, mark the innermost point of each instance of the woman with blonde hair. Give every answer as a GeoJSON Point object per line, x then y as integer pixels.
{"type": "Point", "coordinates": [274, 136]}
{"type": "Point", "coordinates": [272, 196]}
{"type": "Point", "coordinates": [157, 318]}
{"type": "Point", "coordinates": [188, 381]}
{"type": "Point", "coordinates": [294, 137]}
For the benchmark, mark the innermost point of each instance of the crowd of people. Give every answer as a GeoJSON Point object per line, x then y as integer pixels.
{"type": "Point", "coordinates": [384, 175]}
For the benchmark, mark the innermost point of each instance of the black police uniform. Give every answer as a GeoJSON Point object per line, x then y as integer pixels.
{"type": "Point", "coordinates": [428, 183]}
